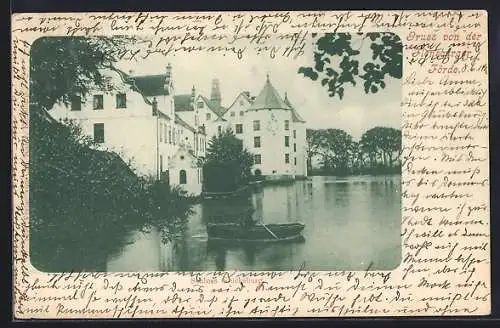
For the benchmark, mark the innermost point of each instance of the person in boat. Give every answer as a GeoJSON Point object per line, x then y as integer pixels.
{"type": "Point", "coordinates": [247, 219]}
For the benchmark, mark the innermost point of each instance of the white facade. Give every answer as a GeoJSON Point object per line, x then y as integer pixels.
{"type": "Point", "coordinates": [184, 170]}
{"type": "Point", "coordinates": [280, 149]}
{"type": "Point", "coordinates": [138, 121]}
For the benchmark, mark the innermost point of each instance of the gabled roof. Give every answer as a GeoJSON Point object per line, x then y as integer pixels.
{"type": "Point", "coordinates": [244, 94]}
{"type": "Point", "coordinates": [183, 150]}
{"type": "Point", "coordinates": [295, 116]}
{"type": "Point", "coordinates": [150, 85]}
{"type": "Point", "coordinates": [182, 103]}
{"type": "Point", "coordinates": [268, 98]}
{"type": "Point", "coordinates": [214, 106]}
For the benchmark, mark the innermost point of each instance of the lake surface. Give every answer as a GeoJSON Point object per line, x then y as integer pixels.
{"type": "Point", "coordinates": [351, 223]}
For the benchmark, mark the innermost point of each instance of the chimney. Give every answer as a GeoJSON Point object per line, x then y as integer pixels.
{"type": "Point", "coordinates": [168, 79]}
{"type": "Point", "coordinates": [155, 106]}
{"type": "Point", "coordinates": [215, 96]}
{"type": "Point", "coordinates": [193, 96]}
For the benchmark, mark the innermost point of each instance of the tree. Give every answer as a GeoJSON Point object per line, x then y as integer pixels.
{"type": "Point", "coordinates": [336, 149]}
{"type": "Point", "coordinates": [382, 144]}
{"type": "Point", "coordinates": [314, 139]}
{"type": "Point", "coordinates": [228, 164]}
{"type": "Point", "coordinates": [356, 158]}
{"type": "Point", "coordinates": [61, 67]}
{"type": "Point", "coordinates": [337, 62]}
{"type": "Point", "coordinates": [83, 202]}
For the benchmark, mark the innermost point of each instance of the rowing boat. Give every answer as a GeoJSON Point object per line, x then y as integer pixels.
{"type": "Point", "coordinates": [255, 233]}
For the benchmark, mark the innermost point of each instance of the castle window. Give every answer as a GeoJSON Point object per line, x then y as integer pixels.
{"type": "Point", "coordinates": [200, 104]}
{"type": "Point", "coordinates": [295, 160]}
{"type": "Point", "coordinates": [99, 132]}
{"type": "Point", "coordinates": [98, 102]}
{"type": "Point", "coordinates": [287, 158]}
{"type": "Point", "coordinates": [256, 142]}
{"type": "Point", "coordinates": [239, 128]}
{"type": "Point", "coordinates": [257, 159]}
{"type": "Point", "coordinates": [241, 103]}
{"type": "Point", "coordinates": [242, 113]}
{"type": "Point", "coordinates": [287, 141]}
{"type": "Point", "coordinates": [208, 116]}
{"type": "Point", "coordinates": [121, 100]}
{"type": "Point", "coordinates": [169, 135]}
{"type": "Point", "coordinates": [294, 134]}
{"type": "Point", "coordinates": [161, 163]}
{"type": "Point", "coordinates": [233, 114]}
{"type": "Point", "coordinates": [295, 147]}
{"type": "Point", "coordinates": [76, 103]}
{"type": "Point", "coordinates": [182, 177]}
{"type": "Point", "coordinates": [287, 125]}
{"type": "Point", "coordinates": [256, 125]}
{"type": "Point", "coordinates": [161, 132]}
{"type": "Point", "coordinates": [219, 128]}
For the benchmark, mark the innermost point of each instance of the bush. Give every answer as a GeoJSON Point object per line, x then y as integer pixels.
{"type": "Point", "coordinates": [84, 203]}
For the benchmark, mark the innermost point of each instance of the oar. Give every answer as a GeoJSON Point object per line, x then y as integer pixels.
{"type": "Point", "coordinates": [269, 231]}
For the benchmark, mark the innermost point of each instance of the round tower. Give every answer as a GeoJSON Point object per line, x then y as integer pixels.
{"type": "Point", "coordinates": [268, 126]}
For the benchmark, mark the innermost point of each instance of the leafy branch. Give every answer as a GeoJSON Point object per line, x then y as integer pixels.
{"type": "Point", "coordinates": [337, 63]}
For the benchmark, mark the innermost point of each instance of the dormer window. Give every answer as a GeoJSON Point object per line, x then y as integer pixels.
{"type": "Point", "coordinates": [121, 100]}
{"type": "Point", "coordinates": [200, 104]}
{"type": "Point", "coordinates": [76, 103]}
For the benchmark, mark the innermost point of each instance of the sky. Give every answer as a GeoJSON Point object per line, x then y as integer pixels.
{"type": "Point", "coordinates": [355, 113]}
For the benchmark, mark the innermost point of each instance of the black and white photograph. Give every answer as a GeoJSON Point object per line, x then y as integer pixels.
{"type": "Point", "coordinates": [176, 161]}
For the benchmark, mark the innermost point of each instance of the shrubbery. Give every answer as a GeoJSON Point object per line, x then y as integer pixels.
{"type": "Point", "coordinates": [84, 202]}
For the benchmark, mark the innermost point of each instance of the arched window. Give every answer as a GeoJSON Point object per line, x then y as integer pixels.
{"type": "Point", "coordinates": [182, 177]}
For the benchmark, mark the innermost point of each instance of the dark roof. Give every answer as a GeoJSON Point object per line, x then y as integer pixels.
{"type": "Point", "coordinates": [295, 116]}
{"type": "Point", "coordinates": [133, 85]}
{"type": "Point", "coordinates": [150, 85]}
{"type": "Point", "coordinates": [268, 98]}
{"type": "Point", "coordinates": [126, 79]}
{"type": "Point", "coordinates": [214, 106]}
{"type": "Point", "coordinates": [181, 122]}
{"type": "Point", "coordinates": [182, 103]}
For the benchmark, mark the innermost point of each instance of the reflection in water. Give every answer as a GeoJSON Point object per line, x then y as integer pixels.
{"type": "Point", "coordinates": [350, 222]}
{"type": "Point", "coordinates": [220, 259]}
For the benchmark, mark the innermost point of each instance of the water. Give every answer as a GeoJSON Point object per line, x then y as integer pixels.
{"type": "Point", "coordinates": [351, 224]}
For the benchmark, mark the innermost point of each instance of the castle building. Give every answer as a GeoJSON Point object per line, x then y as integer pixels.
{"type": "Point", "coordinates": [164, 135]}
{"type": "Point", "coordinates": [269, 126]}
{"type": "Point", "coordinates": [138, 121]}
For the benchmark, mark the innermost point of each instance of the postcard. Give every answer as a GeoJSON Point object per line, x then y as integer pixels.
{"type": "Point", "coordinates": [250, 164]}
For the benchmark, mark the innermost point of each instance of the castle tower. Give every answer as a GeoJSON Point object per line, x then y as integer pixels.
{"type": "Point", "coordinates": [215, 95]}
{"type": "Point", "coordinates": [269, 133]}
